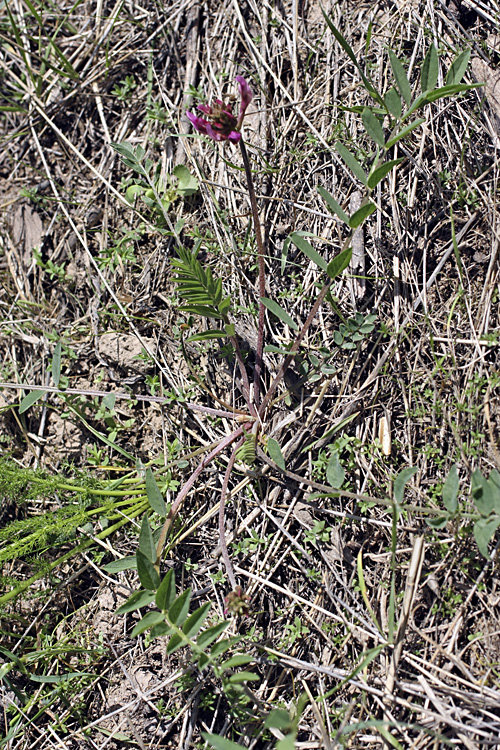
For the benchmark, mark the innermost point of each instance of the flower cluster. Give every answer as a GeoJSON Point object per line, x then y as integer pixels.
{"type": "Point", "coordinates": [219, 122]}
{"type": "Point", "coordinates": [237, 603]}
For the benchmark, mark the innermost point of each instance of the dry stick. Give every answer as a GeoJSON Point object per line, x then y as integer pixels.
{"type": "Point", "coordinates": [222, 533]}
{"type": "Point", "coordinates": [185, 489]}
{"type": "Point", "coordinates": [262, 271]}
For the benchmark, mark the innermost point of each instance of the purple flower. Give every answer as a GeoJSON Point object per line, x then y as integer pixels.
{"type": "Point", "coordinates": [219, 122]}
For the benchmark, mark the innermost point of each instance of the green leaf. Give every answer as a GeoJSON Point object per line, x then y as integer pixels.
{"type": "Point", "coordinates": [148, 621]}
{"type": "Point", "coordinates": [484, 530]}
{"type": "Point", "coordinates": [339, 263]}
{"type": "Point", "coordinates": [348, 50]}
{"type": "Point", "coordinates": [214, 333]}
{"type": "Point", "coordinates": [178, 610]}
{"type": "Point", "coordinates": [275, 453]}
{"type": "Point", "coordinates": [458, 67]}
{"type": "Point", "coordinates": [287, 743]}
{"type": "Point", "coordinates": [351, 162]}
{"type": "Point", "coordinates": [148, 575]}
{"type": "Point", "coordinates": [449, 90]}
{"type": "Point", "coordinates": [486, 493]}
{"type": "Point", "coordinates": [56, 364]}
{"type": "Point", "coordinates": [146, 542]}
{"type": "Point", "coordinates": [404, 132]}
{"type": "Point", "coordinates": [175, 643]}
{"type": "Point", "coordinates": [361, 214]}
{"type": "Point", "coordinates": [335, 472]}
{"type": "Point", "coordinates": [378, 174]}
{"type": "Point", "coordinates": [402, 81]}
{"type": "Point", "coordinates": [155, 498]}
{"type": "Point", "coordinates": [417, 103]}
{"type": "Point", "coordinates": [125, 563]}
{"type": "Point", "coordinates": [160, 630]}
{"type": "Point", "coordinates": [166, 591]}
{"type": "Point", "coordinates": [373, 127]}
{"type": "Point", "coordinates": [210, 634]}
{"type": "Point", "coordinates": [29, 400]}
{"type": "Point", "coordinates": [188, 184]}
{"type": "Point", "coordinates": [278, 718]}
{"type": "Point", "coordinates": [333, 205]}
{"type": "Point", "coordinates": [219, 743]}
{"type": "Point", "coordinates": [236, 661]}
{"type": "Point", "coordinates": [196, 620]}
{"type": "Point", "coordinates": [430, 70]}
{"type": "Point", "coordinates": [494, 480]}
{"type": "Point", "coordinates": [239, 677]}
{"type": "Point", "coordinates": [401, 481]}
{"type": "Point", "coordinates": [308, 250]}
{"type": "Point", "coordinates": [273, 307]}
{"type": "Point", "coordinates": [393, 102]}
{"type": "Point", "coordinates": [132, 191]}
{"type": "Point", "coordinates": [437, 523]}
{"type": "Point", "coordinates": [230, 329]}
{"type": "Point", "coordinates": [203, 310]}
{"type": "Point", "coordinates": [450, 490]}
{"type": "Point", "coordinates": [135, 601]}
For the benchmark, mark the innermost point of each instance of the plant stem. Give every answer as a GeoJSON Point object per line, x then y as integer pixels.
{"type": "Point", "coordinates": [222, 534]}
{"type": "Point", "coordinates": [262, 271]}
{"type": "Point", "coordinates": [286, 362]}
{"type": "Point", "coordinates": [187, 486]}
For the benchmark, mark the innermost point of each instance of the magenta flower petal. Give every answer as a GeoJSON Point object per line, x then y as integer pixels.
{"type": "Point", "coordinates": [219, 122]}
{"type": "Point", "coordinates": [199, 123]}
{"type": "Point", "coordinates": [245, 93]}
{"type": "Point", "coordinates": [205, 108]}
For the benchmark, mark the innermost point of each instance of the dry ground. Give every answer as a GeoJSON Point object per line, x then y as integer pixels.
{"type": "Point", "coordinates": [419, 388]}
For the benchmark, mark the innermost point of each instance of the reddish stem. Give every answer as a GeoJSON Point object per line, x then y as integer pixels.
{"type": "Point", "coordinates": [262, 271]}
{"type": "Point", "coordinates": [187, 486]}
